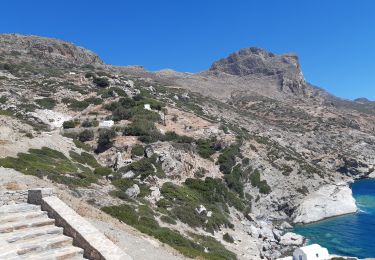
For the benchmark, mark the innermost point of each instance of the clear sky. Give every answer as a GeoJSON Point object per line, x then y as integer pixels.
{"type": "Point", "coordinates": [335, 39]}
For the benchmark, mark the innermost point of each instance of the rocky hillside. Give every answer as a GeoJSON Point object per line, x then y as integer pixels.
{"type": "Point", "coordinates": [44, 51]}
{"type": "Point", "coordinates": [217, 164]}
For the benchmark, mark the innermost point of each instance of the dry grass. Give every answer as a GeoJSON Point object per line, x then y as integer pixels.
{"type": "Point", "coordinates": [12, 186]}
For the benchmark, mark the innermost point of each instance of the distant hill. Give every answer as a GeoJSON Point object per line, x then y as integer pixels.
{"type": "Point", "coordinates": [43, 51]}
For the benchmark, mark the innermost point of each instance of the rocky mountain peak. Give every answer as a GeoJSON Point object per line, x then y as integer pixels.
{"type": "Point", "coordinates": [260, 63]}
{"type": "Point", "coordinates": [44, 51]}
{"type": "Point", "coordinates": [362, 100]}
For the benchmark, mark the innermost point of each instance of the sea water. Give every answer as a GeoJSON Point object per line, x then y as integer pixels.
{"type": "Point", "coordinates": [349, 235]}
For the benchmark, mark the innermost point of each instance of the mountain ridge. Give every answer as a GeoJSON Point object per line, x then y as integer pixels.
{"type": "Point", "coordinates": [251, 65]}
{"type": "Point", "coordinates": [46, 50]}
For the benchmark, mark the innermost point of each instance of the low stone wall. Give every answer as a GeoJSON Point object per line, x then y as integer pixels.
{"type": "Point", "coordinates": [96, 246]}
{"type": "Point", "coordinates": [8, 197]}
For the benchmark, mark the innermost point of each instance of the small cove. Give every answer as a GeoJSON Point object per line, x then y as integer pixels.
{"type": "Point", "coordinates": [349, 235]}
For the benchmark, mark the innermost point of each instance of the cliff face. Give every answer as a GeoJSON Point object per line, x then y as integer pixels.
{"type": "Point", "coordinates": [257, 62]}
{"type": "Point", "coordinates": [45, 51]}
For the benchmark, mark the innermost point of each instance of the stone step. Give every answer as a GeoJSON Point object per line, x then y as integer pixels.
{"type": "Point", "coordinates": [23, 207]}
{"type": "Point", "coordinates": [28, 233]}
{"type": "Point", "coordinates": [35, 222]}
{"type": "Point", "coordinates": [41, 243]}
{"type": "Point", "coordinates": [64, 253]}
{"type": "Point", "coordinates": [26, 216]}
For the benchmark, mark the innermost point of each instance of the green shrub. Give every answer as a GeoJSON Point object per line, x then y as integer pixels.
{"type": "Point", "coordinates": [101, 82]}
{"type": "Point", "coordinates": [78, 105]}
{"type": "Point", "coordinates": [12, 68]}
{"type": "Point", "coordinates": [138, 150]}
{"type": "Point", "coordinates": [224, 128]}
{"type": "Point", "coordinates": [139, 128]}
{"type": "Point", "coordinates": [90, 75]}
{"type": "Point", "coordinates": [206, 147]}
{"type": "Point", "coordinates": [211, 193]}
{"type": "Point", "coordinates": [105, 140]}
{"type": "Point", "coordinates": [82, 145]}
{"type": "Point", "coordinates": [3, 99]}
{"type": "Point", "coordinates": [52, 164]}
{"type": "Point", "coordinates": [256, 182]}
{"type": "Point", "coordinates": [144, 168]}
{"type": "Point", "coordinates": [69, 124]}
{"type": "Point", "coordinates": [106, 93]}
{"type": "Point", "coordinates": [88, 123]}
{"type": "Point", "coordinates": [6, 112]}
{"type": "Point", "coordinates": [94, 100]}
{"type": "Point", "coordinates": [121, 113]}
{"type": "Point", "coordinates": [227, 159]}
{"type": "Point", "coordinates": [246, 161]}
{"type": "Point", "coordinates": [123, 185]}
{"type": "Point", "coordinates": [146, 223]}
{"type": "Point", "coordinates": [119, 91]}
{"type": "Point", "coordinates": [228, 238]}
{"type": "Point", "coordinates": [234, 180]}
{"type": "Point", "coordinates": [168, 219]}
{"type": "Point", "coordinates": [172, 136]}
{"type": "Point", "coordinates": [86, 135]}
{"type": "Point", "coordinates": [47, 103]}
{"type": "Point", "coordinates": [102, 171]}
{"type": "Point", "coordinates": [84, 158]}
{"type": "Point", "coordinates": [151, 137]}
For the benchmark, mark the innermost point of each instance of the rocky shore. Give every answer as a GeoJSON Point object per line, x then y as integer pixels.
{"type": "Point", "coordinates": [328, 201]}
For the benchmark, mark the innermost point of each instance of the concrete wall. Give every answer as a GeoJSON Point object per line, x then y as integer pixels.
{"type": "Point", "coordinates": [96, 246]}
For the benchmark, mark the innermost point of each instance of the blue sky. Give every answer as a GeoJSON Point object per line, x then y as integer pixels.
{"type": "Point", "coordinates": [335, 39]}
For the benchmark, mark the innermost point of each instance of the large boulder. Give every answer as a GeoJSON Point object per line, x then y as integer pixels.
{"type": "Point", "coordinates": [133, 191]}
{"type": "Point", "coordinates": [328, 201]}
{"type": "Point", "coordinates": [291, 239]}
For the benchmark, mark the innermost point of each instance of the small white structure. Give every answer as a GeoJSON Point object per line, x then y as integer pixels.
{"type": "Point", "coordinates": [106, 123]}
{"type": "Point", "coordinates": [147, 107]}
{"type": "Point", "coordinates": [311, 252]}
{"type": "Point", "coordinates": [201, 209]}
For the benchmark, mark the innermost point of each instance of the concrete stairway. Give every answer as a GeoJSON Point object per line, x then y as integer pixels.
{"type": "Point", "coordinates": [26, 232]}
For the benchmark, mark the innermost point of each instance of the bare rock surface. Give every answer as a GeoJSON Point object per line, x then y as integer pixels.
{"type": "Point", "coordinates": [292, 239]}
{"type": "Point", "coordinates": [328, 201]}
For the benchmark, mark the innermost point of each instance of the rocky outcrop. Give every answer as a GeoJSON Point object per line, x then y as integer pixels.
{"type": "Point", "coordinates": [133, 191]}
{"type": "Point", "coordinates": [258, 62]}
{"type": "Point", "coordinates": [291, 239]}
{"type": "Point", "coordinates": [45, 50]}
{"type": "Point", "coordinates": [328, 201]}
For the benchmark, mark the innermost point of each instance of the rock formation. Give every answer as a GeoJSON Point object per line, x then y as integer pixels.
{"type": "Point", "coordinates": [328, 201]}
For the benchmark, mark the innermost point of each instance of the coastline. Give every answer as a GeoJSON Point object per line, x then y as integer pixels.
{"type": "Point", "coordinates": [346, 235]}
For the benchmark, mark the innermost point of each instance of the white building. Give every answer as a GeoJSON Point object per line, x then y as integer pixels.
{"type": "Point", "coordinates": [147, 107]}
{"type": "Point", "coordinates": [106, 123]}
{"type": "Point", "coordinates": [311, 252]}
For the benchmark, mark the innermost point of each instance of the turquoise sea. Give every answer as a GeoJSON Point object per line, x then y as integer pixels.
{"type": "Point", "coordinates": [350, 235]}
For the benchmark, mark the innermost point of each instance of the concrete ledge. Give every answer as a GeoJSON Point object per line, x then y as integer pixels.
{"type": "Point", "coordinates": [94, 243]}
{"type": "Point", "coordinates": [96, 246]}
{"type": "Point", "coordinates": [35, 196]}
